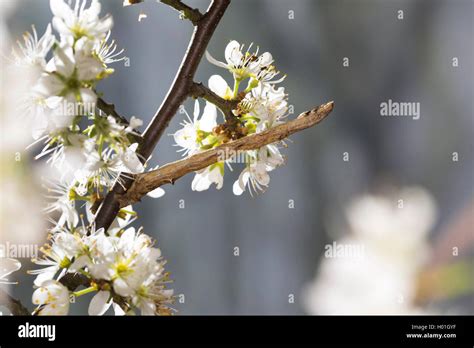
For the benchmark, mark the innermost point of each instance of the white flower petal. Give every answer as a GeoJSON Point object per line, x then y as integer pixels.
{"type": "Point", "coordinates": [147, 307]}
{"type": "Point", "coordinates": [265, 59]}
{"type": "Point", "coordinates": [196, 110]}
{"type": "Point", "coordinates": [79, 263]}
{"type": "Point", "coordinates": [88, 98]}
{"type": "Point", "coordinates": [122, 288]}
{"type": "Point", "coordinates": [233, 55]}
{"type": "Point", "coordinates": [156, 193]}
{"type": "Point", "coordinates": [64, 61]}
{"type": "Point", "coordinates": [241, 183]}
{"type": "Point", "coordinates": [208, 119]}
{"type": "Point", "coordinates": [105, 24]}
{"type": "Point", "coordinates": [200, 182]}
{"type": "Point", "coordinates": [132, 162]}
{"type": "Point", "coordinates": [7, 267]}
{"type": "Point", "coordinates": [93, 10]}
{"type": "Point", "coordinates": [47, 274]}
{"type": "Point", "coordinates": [60, 9]}
{"type": "Point", "coordinates": [127, 238]}
{"type": "Point", "coordinates": [135, 122]}
{"type": "Point", "coordinates": [219, 86]}
{"type": "Point", "coordinates": [100, 303]}
{"type": "Point", "coordinates": [237, 189]}
{"type": "Point", "coordinates": [214, 61]}
{"type": "Point", "coordinates": [60, 26]}
{"type": "Point", "coordinates": [118, 311]}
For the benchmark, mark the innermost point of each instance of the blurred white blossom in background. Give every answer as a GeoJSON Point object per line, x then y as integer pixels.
{"type": "Point", "coordinates": [392, 231]}
{"type": "Point", "coordinates": [21, 220]}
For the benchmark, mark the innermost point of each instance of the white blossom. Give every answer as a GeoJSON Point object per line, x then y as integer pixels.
{"type": "Point", "coordinates": [124, 218]}
{"type": "Point", "coordinates": [243, 65]}
{"type": "Point", "coordinates": [52, 298]}
{"type": "Point", "coordinates": [128, 261]}
{"type": "Point", "coordinates": [43, 112]}
{"type": "Point", "coordinates": [31, 54]}
{"type": "Point", "coordinates": [73, 74]}
{"type": "Point", "coordinates": [62, 201]}
{"type": "Point", "coordinates": [103, 169]}
{"type": "Point", "coordinates": [213, 174]}
{"type": "Point", "coordinates": [78, 22]}
{"type": "Point", "coordinates": [132, 266]}
{"type": "Point", "coordinates": [267, 104]}
{"type": "Point", "coordinates": [192, 137]}
{"type": "Point", "coordinates": [58, 256]}
{"type": "Point", "coordinates": [255, 175]}
{"type": "Point", "coordinates": [152, 298]}
{"type": "Point", "coordinates": [73, 153]}
{"type": "Point", "coordinates": [197, 135]}
{"type": "Point", "coordinates": [382, 278]}
{"type": "Point", "coordinates": [125, 259]}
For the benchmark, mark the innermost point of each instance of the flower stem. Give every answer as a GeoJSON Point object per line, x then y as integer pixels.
{"type": "Point", "coordinates": [236, 88]}
{"type": "Point", "coordinates": [85, 291]}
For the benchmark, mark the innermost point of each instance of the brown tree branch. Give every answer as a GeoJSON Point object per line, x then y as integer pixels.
{"type": "Point", "coordinates": [14, 306]}
{"type": "Point", "coordinates": [178, 92]}
{"type": "Point", "coordinates": [188, 12]}
{"type": "Point", "coordinates": [198, 90]}
{"type": "Point", "coordinates": [171, 172]}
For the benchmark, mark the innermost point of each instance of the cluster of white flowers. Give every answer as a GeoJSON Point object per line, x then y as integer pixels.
{"type": "Point", "coordinates": [90, 149]}
{"type": "Point", "coordinates": [123, 267]}
{"type": "Point", "coordinates": [390, 233]}
{"type": "Point", "coordinates": [260, 106]}
{"type": "Point", "coordinates": [87, 147]}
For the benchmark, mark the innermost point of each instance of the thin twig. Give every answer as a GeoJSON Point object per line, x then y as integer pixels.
{"type": "Point", "coordinates": [188, 12]}
{"type": "Point", "coordinates": [198, 90]}
{"type": "Point", "coordinates": [171, 172]}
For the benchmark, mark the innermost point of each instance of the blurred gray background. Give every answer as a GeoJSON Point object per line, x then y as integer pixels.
{"type": "Point", "coordinates": [403, 60]}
